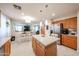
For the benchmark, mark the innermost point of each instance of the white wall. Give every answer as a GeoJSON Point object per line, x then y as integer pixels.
{"type": "Point", "coordinates": [3, 28]}
{"type": "Point", "coordinates": [78, 31]}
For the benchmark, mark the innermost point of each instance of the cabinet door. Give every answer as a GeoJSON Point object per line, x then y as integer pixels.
{"type": "Point", "coordinates": [67, 23]}
{"type": "Point", "coordinates": [51, 50]}
{"type": "Point", "coordinates": [39, 50]}
{"type": "Point", "coordinates": [64, 41]}
{"type": "Point", "coordinates": [34, 44]}
{"type": "Point", "coordinates": [70, 41]}
{"type": "Point", "coordinates": [73, 23]}
{"type": "Point", "coordinates": [7, 48]}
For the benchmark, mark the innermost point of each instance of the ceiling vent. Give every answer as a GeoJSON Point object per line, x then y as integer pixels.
{"type": "Point", "coordinates": [17, 7]}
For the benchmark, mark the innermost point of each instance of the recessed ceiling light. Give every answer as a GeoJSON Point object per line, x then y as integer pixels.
{"type": "Point", "coordinates": [53, 14]}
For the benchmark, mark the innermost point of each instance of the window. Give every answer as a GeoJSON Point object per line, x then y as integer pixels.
{"type": "Point", "coordinates": [18, 28]}
{"type": "Point", "coordinates": [36, 28]}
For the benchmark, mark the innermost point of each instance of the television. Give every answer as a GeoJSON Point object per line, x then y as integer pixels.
{"type": "Point", "coordinates": [27, 28]}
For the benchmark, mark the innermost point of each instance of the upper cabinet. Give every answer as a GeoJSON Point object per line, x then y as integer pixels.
{"type": "Point", "coordinates": [69, 22]}
{"type": "Point", "coordinates": [73, 22]}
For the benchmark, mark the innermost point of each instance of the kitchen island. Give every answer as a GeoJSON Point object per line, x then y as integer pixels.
{"type": "Point", "coordinates": [44, 46]}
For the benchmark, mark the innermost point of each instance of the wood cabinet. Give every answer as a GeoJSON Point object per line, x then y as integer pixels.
{"type": "Point", "coordinates": [69, 41]}
{"type": "Point", "coordinates": [68, 23]}
{"type": "Point", "coordinates": [51, 50]}
{"type": "Point", "coordinates": [65, 24]}
{"type": "Point", "coordinates": [41, 50]}
{"type": "Point", "coordinates": [7, 48]}
{"type": "Point", "coordinates": [34, 44]}
{"type": "Point", "coordinates": [73, 22]}
{"type": "Point", "coordinates": [37, 48]}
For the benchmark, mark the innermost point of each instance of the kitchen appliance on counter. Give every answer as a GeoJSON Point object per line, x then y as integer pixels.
{"type": "Point", "coordinates": [13, 38]}
{"type": "Point", "coordinates": [63, 30]}
{"type": "Point", "coordinates": [72, 31]}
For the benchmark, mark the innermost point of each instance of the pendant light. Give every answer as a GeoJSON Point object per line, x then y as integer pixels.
{"type": "Point", "coordinates": [46, 23]}
{"type": "Point", "coordinates": [41, 17]}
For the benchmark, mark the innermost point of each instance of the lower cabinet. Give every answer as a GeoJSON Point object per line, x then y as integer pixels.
{"type": "Point", "coordinates": [41, 50]}
{"type": "Point", "coordinates": [7, 48]}
{"type": "Point", "coordinates": [34, 45]}
{"type": "Point", "coordinates": [69, 41]}
{"type": "Point", "coordinates": [51, 50]}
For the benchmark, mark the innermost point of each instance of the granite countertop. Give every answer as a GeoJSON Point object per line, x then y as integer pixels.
{"type": "Point", "coordinates": [3, 40]}
{"type": "Point", "coordinates": [47, 40]}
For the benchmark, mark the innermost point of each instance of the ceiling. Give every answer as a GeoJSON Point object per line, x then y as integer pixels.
{"type": "Point", "coordinates": [33, 10]}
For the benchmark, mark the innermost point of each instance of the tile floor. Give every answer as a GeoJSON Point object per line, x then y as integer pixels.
{"type": "Point", "coordinates": [22, 49]}
{"type": "Point", "coordinates": [25, 49]}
